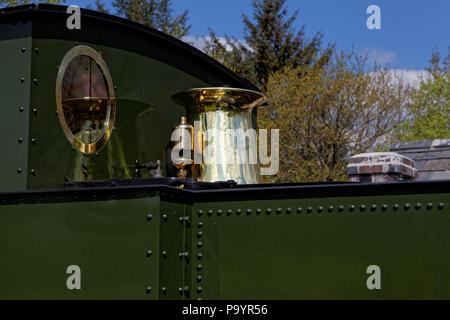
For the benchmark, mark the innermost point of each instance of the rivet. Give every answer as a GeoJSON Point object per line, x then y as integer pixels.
{"type": "Point", "coordinates": [35, 81]}
{"type": "Point", "coordinates": [33, 140]}
{"type": "Point", "coordinates": [440, 205]}
{"type": "Point", "coordinates": [351, 208]}
{"type": "Point", "coordinates": [288, 210]}
{"type": "Point", "coordinates": [219, 212]}
{"type": "Point", "coordinates": [199, 234]}
{"type": "Point", "coordinates": [22, 79]}
{"type": "Point", "coordinates": [278, 211]}
{"type": "Point", "coordinates": [429, 205]}
{"type": "Point", "coordinates": [229, 212]}
{"type": "Point", "coordinates": [373, 207]}
{"type": "Point", "coordinates": [23, 50]}
{"type": "Point", "coordinates": [33, 172]}
{"type": "Point", "coordinates": [164, 253]}
{"type": "Point", "coordinates": [34, 111]}
{"type": "Point", "coordinates": [164, 289]}
{"type": "Point", "coordinates": [149, 253]}
{"type": "Point", "coordinates": [199, 278]}
{"type": "Point", "coordinates": [36, 50]}
{"type": "Point", "coordinates": [199, 256]}
{"type": "Point", "coordinates": [384, 207]}
{"type": "Point", "coordinates": [149, 217]}
{"type": "Point", "coordinates": [199, 267]}
{"type": "Point", "coordinates": [238, 212]}
{"type": "Point", "coordinates": [418, 206]}
{"type": "Point", "coordinates": [258, 211]}
{"type": "Point", "coordinates": [181, 219]}
{"type": "Point", "coordinates": [407, 206]}
{"type": "Point", "coordinates": [199, 244]}
{"type": "Point", "coordinates": [210, 212]}
{"type": "Point", "coordinates": [199, 213]}
{"type": "Point", "coordinates": [20, 140]}
{"type": "Point", "coordinates": [309, 209]}
{"type": "Point", "coordinates": [268, 211]}
{"type": "Point", "coordinates": [19, 170]}
{"type": "Point", "coordinates": [148, 289]}
{"type": "Point", "coordinates": [200, 224]}
{"type": "Point", "coordinates": [249, 212]}
{"type": "Point", "coordinates": [21, 109]}
{"type": "Point", "coordinates": [319, 209]}
{"type": "Point", "coordinates": [330, 209]}
{"type": "Point", "coordinates": [199, 289]}
{"type": "Point", "coordinates": [164, 216]}
{"type": "Point", "coordinates": [299, 210]}
{"type": "Point", "coordinates": [362, 208]}
{"type": "Point", "coordinates": [341, 208]}
{"type": "Point", "coordinates": [396, 207]}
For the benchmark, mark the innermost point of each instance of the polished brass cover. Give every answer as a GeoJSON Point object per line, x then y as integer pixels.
{"type": "Point", "coordinates": [85, 99]}
{"type": "Point", "coordinates": [183, 149]}
{"type": "Point", "coordinates": [223, 108]}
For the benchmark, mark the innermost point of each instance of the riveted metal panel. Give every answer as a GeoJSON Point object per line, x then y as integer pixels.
{"type": "Point", "coordinates": [113, 243]}
{"type": "Point", "coordinates": [14, 92]}
{"type": "Point", "coordinates": [143, 122]}
{"type": "Point", "coordinates": [175, 220]}
{"type": "Point", "coordinates": [321, 248]}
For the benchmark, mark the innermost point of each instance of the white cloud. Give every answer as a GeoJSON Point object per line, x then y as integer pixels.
{"type": "Point", "coordinates": [412, 77]}
{"type": "Point", "coordinates": [379, 56]}
{"type": "Point", "coordinates": [195, 41]}
{"type": "Point", "coordinates": [199, 42]}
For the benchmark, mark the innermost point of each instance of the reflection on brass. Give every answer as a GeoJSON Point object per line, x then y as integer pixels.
{"type": "Point", "coordinates": [222, 109]}
{"type": "Point", "coordinates": [183, 149]}
{"type": "Point", "coordinates": [85, 99]}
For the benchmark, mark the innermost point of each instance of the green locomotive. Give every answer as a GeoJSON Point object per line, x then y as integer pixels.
{"type": "Point", "coordinates": [84, 111]}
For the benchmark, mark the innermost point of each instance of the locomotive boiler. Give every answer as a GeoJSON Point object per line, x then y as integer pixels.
{"type": "Point", "coordinates": [92, 207]}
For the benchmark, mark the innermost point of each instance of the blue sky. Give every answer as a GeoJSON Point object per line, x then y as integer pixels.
{"type": "Point", "coordinates": [410, 29]}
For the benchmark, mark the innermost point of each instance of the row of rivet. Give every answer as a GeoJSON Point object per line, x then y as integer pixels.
{"type": "Point", "coordinates": [320, 209]}
{"type": "Point", "coordinates": [149, 254]}
{"type": "Point", "coordinates": [22, 109]}
{"type": "Point", "coordinates": [199, 277]}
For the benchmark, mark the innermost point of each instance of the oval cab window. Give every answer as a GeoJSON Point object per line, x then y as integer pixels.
{"type": "Point", "coordinates": [85, 99]}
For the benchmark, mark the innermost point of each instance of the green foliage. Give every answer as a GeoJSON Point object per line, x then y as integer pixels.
{"type": "Point", "coordinates": [271, 43]}
{"type": "Point", "coordinates": [10, 3]}
{"type": "Point", "coordinates": [429, 115]}
{"type": "Point", "coordinates": [157, 14]}
{"type": "Point", "coordinates": [327, 113]}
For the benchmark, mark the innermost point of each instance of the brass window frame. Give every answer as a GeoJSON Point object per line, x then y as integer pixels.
{"type": "Point", "coordinates": [110, 115]}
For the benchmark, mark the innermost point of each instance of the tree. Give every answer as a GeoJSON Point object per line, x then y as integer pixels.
{"type": "Point", "coordinates": [10, 3]}
{"type": "Point", "coordinates": [98, 6]}
{"type": "Point", "coordinates": [271, 43]}
{"type": "Point", "coordinates": [326, 114]}
{"type": "Point", "coordinates": [157, 14]}
{"type": "Point", "coordinates": [429, 114]}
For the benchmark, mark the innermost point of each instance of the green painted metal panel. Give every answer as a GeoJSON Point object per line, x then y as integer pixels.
{"type": "Point", "coordinates": [175, 265]}
{"type": "Point", "coordinates": [108, 240]}
{"type": "Point", "coordinates": [144, 116]}
{"type": "Point", "coordinates": [321, 254]}
{"type": "Point", "coordinates": [14, 109]}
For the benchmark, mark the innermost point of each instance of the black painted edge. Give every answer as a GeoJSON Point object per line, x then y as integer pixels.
{"type": "Point", "coordinates": [238, 193]}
